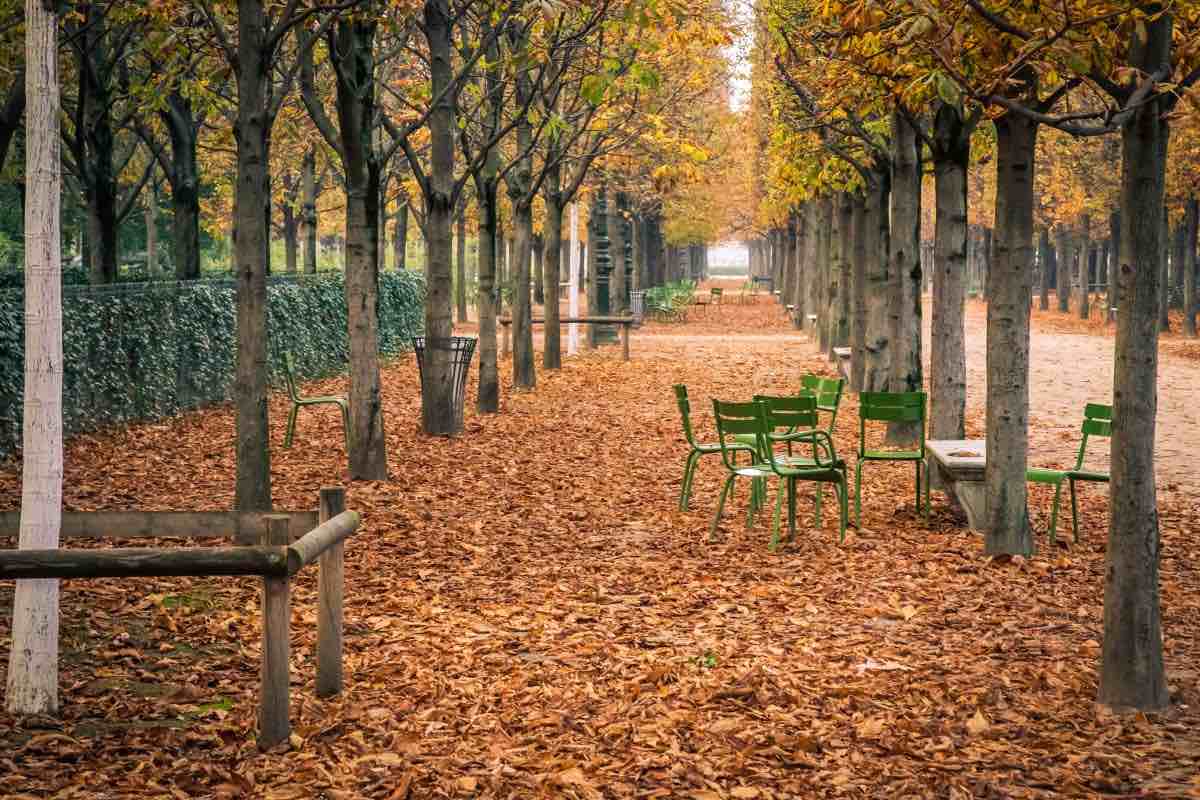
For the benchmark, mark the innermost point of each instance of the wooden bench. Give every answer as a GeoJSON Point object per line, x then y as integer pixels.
{"type": "Point", "coordinates": [957, 467]}
{"type": "Point", "coordinates": [626, 324]}
{"type": "Point", "coordinates": [842, 355]}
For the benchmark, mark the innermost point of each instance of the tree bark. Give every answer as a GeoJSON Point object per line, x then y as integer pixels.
{"type": "Point", "coordinates": [32, 685]}
{"type": "Point", "coordinates": [1084, 268]}
{"type": "Point", "coordinates": [1065, 267]}
{"type": "Point", "coordinates": [184, 177]}
{"type": "Point", "coordinates": [487, 299]}
{"type": "Point", "coordinates": [151, 219]}
{"type": "Point", "coordinates": [877, 338]}
{"type": "Point", "coordinates": [308, 210]}
{"type": "Point", "coordinates": [905, 270]}
{"type": "Point", "coordinates": [437, 391]}
{"type": "Point", "coordinates": [353, 54]}
{"type": "Point", "coordinates": [291, 239]}
{"type": "Point", "coordinates": [618, 292]}
{"type": "Point", "coordinates": [400, 237]}
{"type": "Point", "coordinates": [460, 273]}
{"type": "Point", "coordinates": [252, 132]}
{"type": "Point", "coordinates": [1046, 268]}
{"type": "Point", "coordinates": [1191, 223]}
{"type": "Point", "coordinates": [1008, 288]}
{"type": "Point", "coordinates": [1131, 671]}
{"type": "Point", "coordinates": [552, 196]}
{"type": "Point", "coordinates": [824, 272]}
{"type": "Point", "coordinates": [863, 240]}
{"type": "Point", "coordinates": [1164, 238]}
{"type": "Point", "coordinates": [948, 358]}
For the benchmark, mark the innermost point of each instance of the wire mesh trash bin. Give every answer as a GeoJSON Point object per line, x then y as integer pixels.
{"type": "Point", "coordinates": [458, 352]}
{"type": "Point", "coordinates": [637, 305]}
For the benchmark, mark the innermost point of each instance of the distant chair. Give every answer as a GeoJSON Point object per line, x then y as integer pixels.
{"type": "Point", "coordinates": [1097, 421]}
{"type": "Point", "coordinates": [289, 375]}
{"type": "Point", "coordinates": [903, 407]}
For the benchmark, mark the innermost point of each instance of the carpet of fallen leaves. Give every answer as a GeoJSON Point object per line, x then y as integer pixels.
{"type": "Point", "coordinates": [528, 615]}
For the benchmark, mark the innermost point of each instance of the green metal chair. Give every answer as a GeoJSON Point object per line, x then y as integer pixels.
{"type": "Point", "coordinates": [289, 375]}
{"type": "Point", "coordinates": [828, 392]}
{"type": "Point", "coordinates": [758, 419]}
{"type": "Point", "coordinates": [1097, 421]}
{"type": "Point", "coordinates": [698, 449]}
{"type": "Point", "coordinates": [888, 407]}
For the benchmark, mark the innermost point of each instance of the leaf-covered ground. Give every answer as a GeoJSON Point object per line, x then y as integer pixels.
{"type": "Point", "coordinates": [529, 616]}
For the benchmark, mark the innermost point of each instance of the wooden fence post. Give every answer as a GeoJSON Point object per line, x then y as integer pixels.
{"type": "Point", "coordinates": [329, 600]}
{"type": "Point", "coordinates": [273, 723]}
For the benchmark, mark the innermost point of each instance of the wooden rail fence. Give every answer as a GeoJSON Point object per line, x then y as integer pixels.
{"type": "Point", "coordinates": [274, 546]}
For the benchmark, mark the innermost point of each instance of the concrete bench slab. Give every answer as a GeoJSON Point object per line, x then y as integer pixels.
{"type": "Point", "coordinates": [957, 465]}
{"type": "Point", "coordinates": [842, 354]}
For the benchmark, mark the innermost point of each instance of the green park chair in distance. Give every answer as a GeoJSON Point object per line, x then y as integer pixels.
{"type": "Point", "coordinates": [289, 375]}
{"type": "Point", "coordinates": [889, 407]}
{"type": "Point", "coordinates": [697, 449]}
{"type": "Point", "coordinates": [1097, 421]}
{"type": "Point", "coordinates": [758, 418]}
{"type": "Point", "coordinates": [828, 392]}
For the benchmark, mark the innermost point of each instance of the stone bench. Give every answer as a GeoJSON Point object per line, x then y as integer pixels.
{"type": "Point", "coordinates": [842, 354]}
{"type": "Point", "coordinates": [956, 466]}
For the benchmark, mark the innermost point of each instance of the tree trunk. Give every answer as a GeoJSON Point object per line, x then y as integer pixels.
{"type": "Point", "coordinates": [1044, 261]}
{"type": "Point", "coordinates": [905, 269]}
{"type": "Point", "coordinates": [1008, 340]}
{"type": "Point", "coordinates": [1191, 223]}
{"type": "Point", "coordinates": [488, 296]}
{"type": "Point", "coordinates": [1164, 238]}
{"type": "Point", "coordinates": [1085, 250]}
{"type": "Point", "coordinates": [182, 127]}
{"type": "Point", "coordinates": [460, 273]}
{"type": "Point", "coordinates": [151, 218]}
{"type": "Point", "coordinates": [520, 181]}
{"type": "Point", "coordinates": [877, 339]}
{"type": "Point", "coordinates": [291, 242]}
{"type": "Point", "coordinates": [1065, 261]}
{"type": "Point", "coordinates": [948, 358]}
{"type": "Point", "coordinates": [858, 290]}
{"type": "Point", "coordinates": [618, 291]}
{"type": "Point", "coordinates": [308, 210]}
{"type": "Point", "coordinates": [353, 51]}
{"type": "Point", "coordinates": [1131, 671]}
{"type": "Point", "coordinates": [252, 132]}
{"type": "Point", "coordinates": [845, 213]}
{"type": "Point", "coordinates": [400, 237]}
{"type": "Point", "coordinates": [552, 195]}
{"type": "Point", "coordinates": [824, 271]}
{"type": "Point", "coordinates": [100, 183]}
{"type": "Point", "coordinates": [437, 391]}
{"type": "Point", "coordinates": [33, 658]}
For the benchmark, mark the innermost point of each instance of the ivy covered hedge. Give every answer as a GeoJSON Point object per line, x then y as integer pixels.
{"type": "Point", "coordinates": [161, 349]}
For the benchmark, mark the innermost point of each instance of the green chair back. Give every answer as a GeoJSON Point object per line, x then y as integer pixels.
{"type": "Point", "coordinates": [789, 412]}
{"type": "Point", "coordinates": [890, 407]}
{"type": "Point", "coordinates": [685, 411]}
{"type": "Point", "coordinates": [740, 419]}
{"type": "Point", "coordinates": [1097, 421]}
{"type": "Point", "coordinates": [827, 391]}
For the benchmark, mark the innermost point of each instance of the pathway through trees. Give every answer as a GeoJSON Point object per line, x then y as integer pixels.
{"type": "Point", "coordinates": [527, 612]}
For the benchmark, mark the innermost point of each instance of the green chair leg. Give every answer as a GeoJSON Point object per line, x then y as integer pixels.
{"type": "Point", "coordinates": [1054, 515]}
{"type": "Point", "coordinates": [791, 509]}
{"type": "Point", "coordinates": [774, 545]}
{"type": "Point", "coordinates": [712, 531]}
{"type": "Point", "coordinates": [689, 472]}
{"type": "Point", "coordinates": [291, 426]}
{"type": "Point", "coordinates": [842, 490]}
{"type": "Point", "coordinates": [858, 494]}
{"type": "Point", "coordinates": [1074, 513]}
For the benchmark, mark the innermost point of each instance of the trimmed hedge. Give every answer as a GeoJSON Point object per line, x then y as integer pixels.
{"type": "Point", "coordinates": [154, 351]}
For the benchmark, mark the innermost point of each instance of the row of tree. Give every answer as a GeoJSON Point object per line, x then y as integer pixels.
{"type": "Point", "coordinates": [851, 100]}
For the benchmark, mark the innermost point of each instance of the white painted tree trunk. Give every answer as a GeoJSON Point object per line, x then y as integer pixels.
{"type": "Point", "coordinates": [33, 660]}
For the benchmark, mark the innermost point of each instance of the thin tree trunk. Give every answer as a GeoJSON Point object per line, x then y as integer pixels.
{"type": "Point", "coordinates": [1164, 238]}
{"type": "Point", "coordinates": [1008, 340]}
{"type": "Point", "coordinates": [252, 132]}
{"type": "Point", "coordinates": [353, 49]}
{"type": "Point", "coordinates": [400, 237]}
{"type": "Point", "coordinates": [1131, 671]}
{"type": "Point", "coordinates": [824, 271]}
{"type": "Point", "coordinates": [488, 296]}
{"type": "Point", "coordinates": [1191, 224]}
{"type": "Point", "coordinates": [1062, 275]}
{"type": "Point", "coordinates": [460, 269]}
{"type": "Point", "coordinates": [1085, 249]}
{"type": "Point", "coordinates": [32, 686]}
{"type": "Point", "coordinates": [1044, 260]}
{"type": "Point", "coordinates": [948, 358]}
{"type": "Point", "coordinates": [308, 211]}
{"type": "Point", "coordinates": [616, 250]}
{"type": "Point", "coordinates": [905, 269]}
{"type": "Point", "coordinates": [845, 225]}
{"type": "Point", "coordinates": [877, 363]}
{"type": "Point", "coordinates": [151, 218]}
{"type": "Point", "coordinates": [863, 240]}
{"type": "Point", "coordinates": [437, 391]}
{"type": "Point", "coordinates": [552, 195]}
{"type": "Point", "coordinates": [291, 243]}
